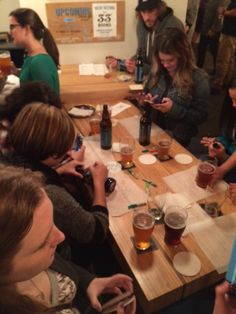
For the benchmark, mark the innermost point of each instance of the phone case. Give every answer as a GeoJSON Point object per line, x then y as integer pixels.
{"type": "Point", "coordinates": [110, 306]}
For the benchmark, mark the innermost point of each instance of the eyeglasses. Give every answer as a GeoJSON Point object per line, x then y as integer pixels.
{"type": "Point", "coordinates": [12, 26]}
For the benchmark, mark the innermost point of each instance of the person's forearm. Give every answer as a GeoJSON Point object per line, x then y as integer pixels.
{"type": "Point", "coordinates": [99, 197]}
{"type": "Point", "coordinates": [229, 164]}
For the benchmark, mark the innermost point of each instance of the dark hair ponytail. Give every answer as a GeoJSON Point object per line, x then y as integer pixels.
{"type": "Point", "coordinates": [50, 46]}
{"type": "Point", "coordinates": [24, 17]}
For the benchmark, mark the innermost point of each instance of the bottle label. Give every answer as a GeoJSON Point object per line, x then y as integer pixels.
{"type": "Point", "coordinates": [106, 138]}
{"type": "Point", "coordinates": [144, 134]}
{"type": "Point", "coordinates": [139, 74]}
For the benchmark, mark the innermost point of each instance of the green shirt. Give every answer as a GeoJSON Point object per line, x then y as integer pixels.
{"type": "Point", "coordinates": [40, 67]}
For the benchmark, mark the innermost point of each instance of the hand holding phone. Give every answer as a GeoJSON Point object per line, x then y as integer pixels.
{"type": "Point", "coordinates": [125, 299]}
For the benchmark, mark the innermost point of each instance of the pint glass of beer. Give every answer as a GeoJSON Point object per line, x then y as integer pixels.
{"type": "Point", "coordinates": [143, 225]}
{"type": "Point", "coordinates": [206, 169]}
{"type": "Point", "coordinates": [175, 222]}
{"type": "Point", "coordinates": [5, 62]}
{"type": "Point", "coordinates": [127, 145]}
{"type": "Point", "coordinates": [164, 139]}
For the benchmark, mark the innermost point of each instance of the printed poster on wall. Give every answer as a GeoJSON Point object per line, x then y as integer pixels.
{"type": "Point", "coordinates": [104, 20]}
{"type": "Point", "coordinates": [75, 22]}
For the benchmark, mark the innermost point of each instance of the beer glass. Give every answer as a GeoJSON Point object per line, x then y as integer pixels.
{"type": "Point", "coordinates": [206, 170]}
{"type": "Point", "coordinates": [218, 193]}
{"type": "Point", "coordinates": [164, 139]}
{"type": "Point", "coordinates": [143, 225]}
{"type": "Point", "coordinates": [94, 123]}
{"type": "Point", "coordinates": [127, 145]}
{"type": "Point", "coordinates": [175, 222]}
{"type": "Point", "coordinates": [5, 62]}
{"type": "Point", "coordinates": [156, 202]}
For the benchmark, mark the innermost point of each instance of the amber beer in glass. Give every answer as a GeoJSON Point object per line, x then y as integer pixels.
{"type": "Point", "coordinates": [5, 62]}
{"type": "Point", "coordinates": [127, 145]}
{"type": "Point", "coordinates": [175, 222]}
{"type": "Point", "coordinates": [143, 225]}
{"type": "Point", "coordinates": [206, 169]}
{"type": "Point", "coordinates": [164, 140]}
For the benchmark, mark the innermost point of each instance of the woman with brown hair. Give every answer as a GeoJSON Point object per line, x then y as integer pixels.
{"type": "Point", "coordinates": [41, 137]}
{"type": "Point", "coordinates": [42, 60]}
{"type": "Point", "coordinates": [177, 89]}
{"type": "Point", "coordinates": [33, 279]}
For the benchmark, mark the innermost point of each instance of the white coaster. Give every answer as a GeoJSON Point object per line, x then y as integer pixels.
{"type": "Point", "coordinates": [147, 159]}
{"type": "Point", "coordinates": [186, 263]}
{"type": "Point", "coordinates": [183, 159]}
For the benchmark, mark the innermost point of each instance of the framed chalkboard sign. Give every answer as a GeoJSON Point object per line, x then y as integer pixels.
{"type": "Point", "coordinates": [76, 22]}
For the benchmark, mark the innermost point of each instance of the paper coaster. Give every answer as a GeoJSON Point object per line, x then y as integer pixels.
{"type": "Point", "coordinates": [186, 263]}
{"type": "Point", "coordinates": [147, 159]}
{"type": "Point", "coordinates": [183, 159]}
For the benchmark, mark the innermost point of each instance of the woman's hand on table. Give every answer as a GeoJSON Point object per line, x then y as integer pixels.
{"type": "Point", "coordinates": [112, 284]}
{"type": "Point", "coordinates": [232, 192]}
{"type": "Point", "coordinates": [77, 155]}
{"type": "Point", "coordinates": [224, 303]}
{"type": "Point", "coordinates": [165, 106]}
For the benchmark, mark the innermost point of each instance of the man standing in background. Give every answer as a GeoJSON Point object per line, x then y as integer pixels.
{"type": "Point", "coordinates": [153, 17]}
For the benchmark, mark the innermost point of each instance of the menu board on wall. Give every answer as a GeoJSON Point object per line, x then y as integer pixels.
{"type": "Point", "coordinates": [76, 22]}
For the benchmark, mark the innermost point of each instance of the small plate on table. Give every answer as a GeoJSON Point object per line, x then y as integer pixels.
{"type": "Point", "coordinates": [82, 111]}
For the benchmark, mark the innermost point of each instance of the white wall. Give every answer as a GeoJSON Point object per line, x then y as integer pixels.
{"type": "Point", "coordinates": [95, 52]}
{"type": "Point", "coordinates": [6, 6]}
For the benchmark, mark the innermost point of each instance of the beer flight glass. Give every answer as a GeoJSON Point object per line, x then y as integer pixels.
{"type": "Point", "coordinates": [127, 146]}
{"type": "Point", "coordinates": [5, 62]}
{"type": "Point", "coordinates": [164, 140]}
{"type": "Point", "coordinates": [143, 225]}
{"type": "Point", "coordinates": [205, 171]}
{"type": "Point", "coordinates": [175, 223]}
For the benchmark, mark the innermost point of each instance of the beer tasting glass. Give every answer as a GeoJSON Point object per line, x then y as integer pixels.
{"type": "Point", "coordinates": [206, 170]}
{"type": "Point", "coordinates": [143, 225]}
{"type": "Point", "coordinates": [5, 62]}
{"type": "Point", "coordinates": [164, 139]}
{"type": "Point", "coordinates": [156, 202]}
{"type": "Point", "coordinates": [175, 222]}
{"type": "Point", "coordinates": [213, 202]}
{"type": "Point", "coordinates": [94, 123]}
{"type": "Point", "coordinates": [127, 146]}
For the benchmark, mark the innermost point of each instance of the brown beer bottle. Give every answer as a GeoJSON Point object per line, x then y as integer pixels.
{"type": "Point", "coordinates": [106, 129]}
{"type": "Point", "coordinates": [145, 126]}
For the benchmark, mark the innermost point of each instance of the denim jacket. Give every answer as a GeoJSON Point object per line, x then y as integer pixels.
{"type": "Point", "coordinates": [188, 111]}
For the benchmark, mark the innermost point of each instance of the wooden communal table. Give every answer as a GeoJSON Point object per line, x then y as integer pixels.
{"type": "Point", "coordinates": [77, 88]}
{"type": "Point", "coordinates": [157, 284]}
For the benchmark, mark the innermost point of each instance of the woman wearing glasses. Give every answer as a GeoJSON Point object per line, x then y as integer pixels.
{"type": "Point", "coordinates": [42, 60]}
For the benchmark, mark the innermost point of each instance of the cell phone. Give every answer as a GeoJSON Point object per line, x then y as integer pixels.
{"type": "Point", "coordinates": [78, 143]}
{"type": "Point", "coordinates": [125, 298]}
{"type": "Point", "coordinates": [231, 272]}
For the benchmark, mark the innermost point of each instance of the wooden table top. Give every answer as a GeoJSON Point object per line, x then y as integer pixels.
{"type": "Point", "coordinates": [157, 283]}
{"type": "Point", "coordinates": [75, 88]}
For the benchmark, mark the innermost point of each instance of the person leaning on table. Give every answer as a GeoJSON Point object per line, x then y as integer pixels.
{"type": "Point", "coordinates": [41, 136]}
{"type": "Point", "coordinates": [153, 17]}
{"type": "Point", "coordinates": [177, 89]}
{"type": "Point", "coordinates": [33, 279]}
{"type": "Point", "coordinates": [42, 60]}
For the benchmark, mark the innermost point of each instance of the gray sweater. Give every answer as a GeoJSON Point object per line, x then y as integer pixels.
{"type": "Point", "coordinates": [147, 38]}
